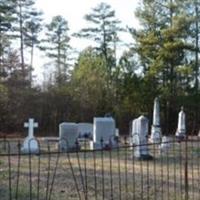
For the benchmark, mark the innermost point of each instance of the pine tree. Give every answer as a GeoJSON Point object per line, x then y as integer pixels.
{"type": "Point", "coordinates": [193, 8]}
{"type": "Point", "coordinates": [161, 45]}
{"type": "Point", "coordinates": [103, 30]}
{"type": "Point", "coordinates": [25, 14]}
{"type": "Point", "coordinates": [32, 30]}
{"type": "Point", "coordinates": [6, 18]}
{"type": "Point", "coordinates": [56, 46]}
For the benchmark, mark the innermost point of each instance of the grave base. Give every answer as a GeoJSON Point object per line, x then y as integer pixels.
{"type": "Point", "coordinates": [27, 151]}
{"type": "Point", "coordinates": [166, 144]}
{"type": "Point", "coordinates": [144, 157]}
{"type": "Point", "coordinates": [155, 134]}
{"type": "Point", "coordinates": [164, 149]}
{"type": "Point", "coordinates": [30, 146]}
{"type": "Point", "coordinates": [63, 147]}
{"type": "Point", "coordinates": [180, 137]}
{"type": "Point", "coordinates": [69, 149]}
{"type": "Point", "coordinates": [95, 146]}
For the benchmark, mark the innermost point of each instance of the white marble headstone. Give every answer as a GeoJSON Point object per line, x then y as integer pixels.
{"type": "Point", "coordinates": [117, 132]}
{"type": "Point", "coordinates": [30, 144]}
{"type": "Point", "coordinates": [85, 130]}
{"type": "Point", "coordinates": [181, 128]}
{"type": "Point", "coordinates": [140, 137]}
{"type": "Point", "coordinates": [156, 129]}
{"type": "Point", "coordinates": [134, 132]}
{"type": "Point", "coordinates": [166, 144]}
{"type": "Point", "coordinates": [68, 134]}
{"type": "Point", "coordinates": [103, 129]}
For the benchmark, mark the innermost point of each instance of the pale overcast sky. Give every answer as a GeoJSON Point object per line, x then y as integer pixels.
{"type": "Point", "coordinates": [74, 11]}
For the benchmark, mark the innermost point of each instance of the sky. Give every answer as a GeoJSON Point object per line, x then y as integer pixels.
{"type": "Point", "coordinates": [74, 11]}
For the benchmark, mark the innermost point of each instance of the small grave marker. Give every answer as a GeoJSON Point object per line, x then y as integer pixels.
{"type": "Point", "coordinates": [166, 144]}
{"type": "Point", "coordinates": [30, 144]}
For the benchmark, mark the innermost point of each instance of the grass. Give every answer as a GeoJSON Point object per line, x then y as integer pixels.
{"type": "Point", "coordinates": [1, 162]}
{"type": "Point", "coordinates": [123, 176]}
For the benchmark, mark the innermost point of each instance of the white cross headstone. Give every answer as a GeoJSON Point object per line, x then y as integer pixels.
{"type": "Point", "coordinates": [30, 144]}
{"type": "Point", "coordinates": [105, 130]}
{"type": "Point", "coordinates": [31, 125]}
{"type": "Point", "coordinates": [156, 129]}
{"type": "Point", "coordinates": [181, 129]}
{"type": "Point", "coordinates": [139, 137]}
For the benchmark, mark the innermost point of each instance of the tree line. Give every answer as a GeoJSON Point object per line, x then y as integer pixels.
{"type": "Point", "coordinates": [162, 60]}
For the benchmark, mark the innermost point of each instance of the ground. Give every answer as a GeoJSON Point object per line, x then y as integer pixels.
{"type": "Point", "coordinates": [100, 174]}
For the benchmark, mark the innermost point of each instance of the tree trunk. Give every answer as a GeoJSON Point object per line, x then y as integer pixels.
{"type": "Point", "coordinates": [21, 40]}
{"type": "Point", "coordinates": [31, 64]}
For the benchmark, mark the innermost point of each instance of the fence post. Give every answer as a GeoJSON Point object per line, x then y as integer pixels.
{"type": "Point", "coordinates": [4, 142]}
{"type": "Point", "coordinates": [186, 168]}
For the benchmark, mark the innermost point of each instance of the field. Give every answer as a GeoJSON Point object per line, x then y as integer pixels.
{"type": "Point", "coordinates": [102, 174]}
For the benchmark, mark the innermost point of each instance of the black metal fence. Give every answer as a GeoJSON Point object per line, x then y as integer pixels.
{"type": "Point", "coordinates": [111, 173]}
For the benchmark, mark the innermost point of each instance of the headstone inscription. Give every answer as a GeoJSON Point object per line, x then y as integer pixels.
{"type": "Point", "coordinates": [30, 144]}
{"type": "Point", "coordinates": [103, 133]}
{"type": "Point", "coordinates": [181, 128]}
{"type": "Point", "coordinates": [68, 134]}
{"type": "Point", "coordinates": [140, 138]}
{"type": "Point", "coordinates": [156, 129]}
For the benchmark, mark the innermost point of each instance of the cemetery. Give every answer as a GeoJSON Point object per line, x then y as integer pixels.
{"type": "Point", "coordinates": [100, 100]}
{"type": "Point", "coordinates": [104, 166]}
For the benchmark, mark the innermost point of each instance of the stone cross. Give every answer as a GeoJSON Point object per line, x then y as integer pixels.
{"type": "Point", "coordinates": [31, 125]}
{"type": "Point", "coordinates": [30, 144]}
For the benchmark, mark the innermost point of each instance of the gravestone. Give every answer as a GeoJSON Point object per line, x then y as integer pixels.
{"type": "Point", "coordinates": [134, 132]}
{"type": "Point", "coordinates": [85, 130]}
{"type": "Point", "coordinates": [30, 144]}
{"type": "Point", "coordinates": [140, 138]}
{"type": "Point", "coordinates": [155, 128]}
{"type": "Point", "coordinates": [117, 132]}
{"type": "Point", "coordinates": [68, 134]}
{"type": "Point", "coordinates": [181, 128]}
{"type": "Point", "coordinates": [103, 133]}
{"type": "Point", "coordinates": [166, 144]}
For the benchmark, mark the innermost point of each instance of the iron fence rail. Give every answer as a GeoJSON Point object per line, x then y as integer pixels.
{"type": "Point", "coordinates": [112, 173]}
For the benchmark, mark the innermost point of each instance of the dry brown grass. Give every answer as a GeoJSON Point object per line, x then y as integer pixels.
{"type": "Point", "coordinates": [128, 178]}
